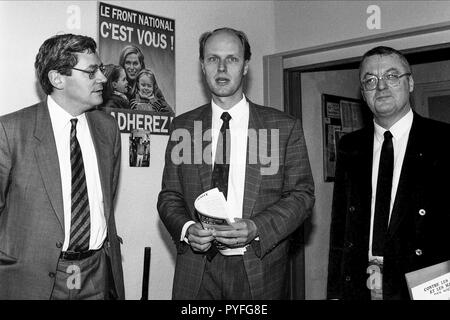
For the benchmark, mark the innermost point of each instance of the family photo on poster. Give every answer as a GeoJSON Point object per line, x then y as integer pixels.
{"type": "Point", "coordinates": [138, 52]}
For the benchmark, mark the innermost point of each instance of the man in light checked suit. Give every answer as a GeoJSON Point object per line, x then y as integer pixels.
{"type": "Point", "coordinates": [270, 191]}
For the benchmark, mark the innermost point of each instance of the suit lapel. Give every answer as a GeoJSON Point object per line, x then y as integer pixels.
{"type": "Point", "coordinates": [98, 136]}
{"type": "Point", "coordinates": [252, 170]}
{"type": "Point", "coordinates": [205, 168]}
{"type": "Point", "coordinates": [413, 154]}
{"type": "Point", "coordinates": [47, 160]}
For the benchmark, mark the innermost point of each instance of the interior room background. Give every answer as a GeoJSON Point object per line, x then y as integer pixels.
{"type": "Point", "coordinates": [272, 27]}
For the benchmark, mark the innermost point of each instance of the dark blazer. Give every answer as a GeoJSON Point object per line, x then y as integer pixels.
{"type": "Point", "coordinates": [277, 203]}
{"type": "Point", "coordinates": [31, 204]}
{"type": "Point", "coordinates": [418, 230]}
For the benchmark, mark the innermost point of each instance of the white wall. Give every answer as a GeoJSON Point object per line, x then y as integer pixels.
{"type": "Point", "coordinates": [303, 24]}
{"type": "Point", "coordinates": [24, 25]}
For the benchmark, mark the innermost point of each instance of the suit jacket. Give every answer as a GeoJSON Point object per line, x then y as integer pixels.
{"type": "Point", "coordinates": [277, 203]}
{"type": "Point", "coordinates": [418, 229]}
{"type": "Point", "coordinates": [31, 203]}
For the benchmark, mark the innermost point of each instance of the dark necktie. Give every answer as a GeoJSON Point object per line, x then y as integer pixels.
{"type": "Point", "coordinates": [222, 158]}
{"type": "Point", "coordinates": [383, 195]}
{"type": "Point", "coordinates": [80, 218]}
{"type": "Point", "coordinates": [221, 169]}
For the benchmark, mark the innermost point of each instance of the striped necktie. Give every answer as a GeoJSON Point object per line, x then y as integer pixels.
{"type": "Point", "coordinates": [80, 219]}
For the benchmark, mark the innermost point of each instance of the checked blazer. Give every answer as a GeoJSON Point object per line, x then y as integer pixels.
{"type": "Point", "coordinates": [278, 203]}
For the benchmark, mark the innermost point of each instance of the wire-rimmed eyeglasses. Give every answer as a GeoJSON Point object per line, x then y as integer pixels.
{"type": "Point", "coordinates": [92, 72]}
{"type": "Point", "coordinates": [391, 79]}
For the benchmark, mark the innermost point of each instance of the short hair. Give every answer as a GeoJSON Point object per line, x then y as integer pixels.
{"type": "Point", "coordinates": [128, 50]}
{"type": "Point", "coordinates": [112, 73]}
{"type": "Point", "coordinates": [240, 34]}
{"type": "Point", "coordinates": [385, 51]}
{"type": "Point", "coordinates": [151, 76]}
{"type": "Point", "coordinates": [59, 53]}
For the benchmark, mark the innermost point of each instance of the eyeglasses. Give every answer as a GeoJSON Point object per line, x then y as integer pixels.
{"type": "Point", "coordinates": [92, 72]}
{"type": "Point", "coordinates": [391, 79]}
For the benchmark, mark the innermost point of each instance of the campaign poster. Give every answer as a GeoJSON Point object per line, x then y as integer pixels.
{"type": "Point", "coordinates": [138, 51]}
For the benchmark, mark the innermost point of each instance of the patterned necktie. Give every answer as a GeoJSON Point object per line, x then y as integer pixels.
{"type": "Point", "coordinates": [383, 195]}
{"type": "Point", "coordinates": [80, 221]}
{"type": "Point", "coordinates": [222, 158]}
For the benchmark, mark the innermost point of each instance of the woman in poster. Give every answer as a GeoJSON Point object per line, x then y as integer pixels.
{"type": "Point", "coordinates": [131, 59]}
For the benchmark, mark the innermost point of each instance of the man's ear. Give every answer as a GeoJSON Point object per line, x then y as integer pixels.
{"type": "Point", "coordinates": [411, 83]}
{"type": "Point", "coordinates": [202, 66]}
{"type": "Point", "coordinates": [245, 67]}
{"type": "Point", "coordinates": [56, 79]}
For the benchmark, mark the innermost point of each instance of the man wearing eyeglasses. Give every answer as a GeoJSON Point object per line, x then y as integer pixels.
{"type": "Point", "coordinates": [390, 212]}
{"type": "Point", "coordinates": [59, 168]}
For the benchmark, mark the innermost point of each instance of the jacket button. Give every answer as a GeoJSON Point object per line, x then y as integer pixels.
{"type": "Point", "coordinates": [351, 209]}
{"type": "Point", "coordinates": [51, 274]}
{"type": "Point", "coordinates": [348, 244]}
{"type": "Point", "coordinates": [419, 252]}
{"type": "Point", "coordinates": [422, 212]}
{"type": "Point", "coordinates": [59, 244]}
{"type": "Point", "coordinates": [348, 278]}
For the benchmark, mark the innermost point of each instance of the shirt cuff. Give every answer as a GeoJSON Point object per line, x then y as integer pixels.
{"type": "Point", "coordinates": [183, 231]}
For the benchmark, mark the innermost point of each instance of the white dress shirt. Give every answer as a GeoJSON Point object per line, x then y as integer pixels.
{"type": "Point", "coordinates": [61, 129]}
{"type": "Point", "coordinates": [400, 134]}
{"type": "Point", "coordinates": [238, 155]}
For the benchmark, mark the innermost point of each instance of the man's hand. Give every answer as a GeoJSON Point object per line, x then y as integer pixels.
{"type": "Point", "coordinates": [199, 238]}
{"type": "Point", "coordinates": [244, 232]}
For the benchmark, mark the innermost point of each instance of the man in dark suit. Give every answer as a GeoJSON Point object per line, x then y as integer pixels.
{"type": "Point", "coordinates": [390, 211]}
{"type": "Point", "coordinates": [59, 170]}
{"type": "Point", "coordinates": [269, 196]}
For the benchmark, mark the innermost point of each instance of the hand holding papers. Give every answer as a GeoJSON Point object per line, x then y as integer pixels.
{"type": "Point", "coordinates": [212, 210]}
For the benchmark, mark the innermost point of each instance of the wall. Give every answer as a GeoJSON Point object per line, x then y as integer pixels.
{"type": "Point", "coordinates": [24, 25]}
{"type": "Point", "coordinates": [303, 24]}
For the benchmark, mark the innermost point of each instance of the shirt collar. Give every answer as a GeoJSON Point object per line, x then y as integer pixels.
{"type": "Point", "coordinates": [398, 130]}
{"type": "Point", "coordinates": [60, 117]}
{"type": "Point", "coordinates": [237, 112]}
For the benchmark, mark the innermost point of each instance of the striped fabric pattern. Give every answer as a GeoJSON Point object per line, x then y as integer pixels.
{"type": "Point", "coordinates": [80, 218]}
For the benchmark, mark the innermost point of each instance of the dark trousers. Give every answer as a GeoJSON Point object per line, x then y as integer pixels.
{"type": "Point", "coordinates": [86, 279]}
{"type": "Point", "coordinates": [225, 278]}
